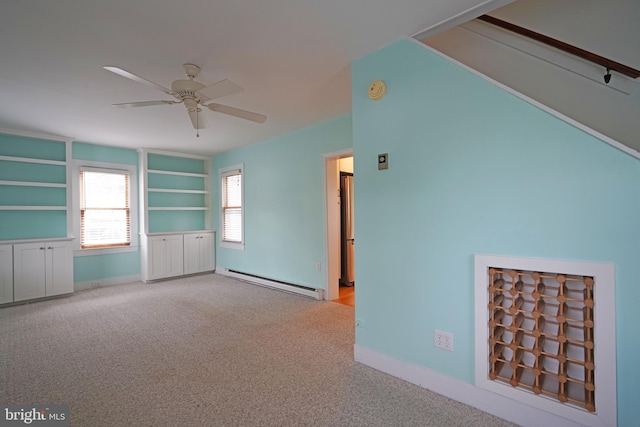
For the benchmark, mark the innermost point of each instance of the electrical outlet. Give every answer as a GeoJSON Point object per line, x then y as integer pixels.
{"type": "Point", "coordinates": [443, 340]}
{"type": "Point", "coordinates": [318, 266]}
{"type": "Point", "coordinates": [96, 283]}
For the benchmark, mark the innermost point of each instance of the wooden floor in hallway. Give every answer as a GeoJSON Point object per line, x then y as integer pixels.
{"type": "Point", "coordinates": [347, 296]}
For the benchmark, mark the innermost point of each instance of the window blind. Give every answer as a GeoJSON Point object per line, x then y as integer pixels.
{"type": "Point", "coordinates": [232, 207]}
{"type": "Point", "coordinates": [105, 218]}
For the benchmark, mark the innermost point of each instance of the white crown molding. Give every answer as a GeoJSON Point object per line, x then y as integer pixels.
{"type": "Point", "coordinates": [38, 135]}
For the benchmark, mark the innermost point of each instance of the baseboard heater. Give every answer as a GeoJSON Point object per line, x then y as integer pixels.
{"type": "Point", "coordinates": [271, 283]}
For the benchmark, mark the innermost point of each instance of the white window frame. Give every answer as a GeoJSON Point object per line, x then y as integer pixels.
{"type": "Point", "coordinates": [93, 166]}
{"type": "Point", "coordinates": [223, 172]}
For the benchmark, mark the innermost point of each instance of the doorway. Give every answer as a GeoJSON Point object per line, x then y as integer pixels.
{"type": "Point", "coordinates": [340, 238]}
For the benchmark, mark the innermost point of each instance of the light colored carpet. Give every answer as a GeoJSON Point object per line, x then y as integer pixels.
{"type": "Point", "coordinates": [205, 351]}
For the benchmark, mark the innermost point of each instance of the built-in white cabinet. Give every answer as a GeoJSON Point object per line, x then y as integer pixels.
{"type": "Point", "coordinates": [42, 269]}
{"type": "Point", "coordinates": [175, 254]}
{"type": "Point", "coordinates": [199, 253]}
{"type": "Point", "coordinates": [6, 274]}
{"type": "Point", "coordinates": [176, 218]}
{"type": "Point", "coordinates": [164, 255]}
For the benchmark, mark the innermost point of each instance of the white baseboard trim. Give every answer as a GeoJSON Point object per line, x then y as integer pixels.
{"type": "Point", "coordinates": [313, 293]}
{"type": "Point", "coordinates": [495, 404]}
{"type": "Point", "coordinates": [121, 280]}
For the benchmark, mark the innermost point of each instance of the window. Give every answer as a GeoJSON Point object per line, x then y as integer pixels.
{"type": "Point", "coordinates": [231, 218]}
{"type": "Point", "coordinates": [105, 217]}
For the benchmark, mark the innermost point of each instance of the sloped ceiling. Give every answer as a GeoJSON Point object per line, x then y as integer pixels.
{"type": "Point", "coordinates": [577, 90]}
{"type": "Point", "coordinates": [291, 56]}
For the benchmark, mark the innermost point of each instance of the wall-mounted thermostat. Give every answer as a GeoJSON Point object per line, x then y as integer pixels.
{"type": "Point", "coordinates": [383, 161]}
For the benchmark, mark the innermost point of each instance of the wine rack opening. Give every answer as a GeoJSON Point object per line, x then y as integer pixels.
{"type": "Point", "coordinates": [545, 337]}
{"type": "Point", "coordinates": [541, 334]}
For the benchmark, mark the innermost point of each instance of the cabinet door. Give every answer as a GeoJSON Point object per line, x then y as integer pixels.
{"type": "Point", "coordinates": [207, 252]}
{"type": "Point", "coordinates": [28, 271]}
{"type": "Point", "coordinates": [58, 268]}
{"type": "Point", "coordinates": [6, 274]}
{"type": "Point", "coordinates": [174, 255]}
{"type": "Point", "coordinates": [157, 255]}
{"type": "Point", "coordinates": [198, 253]}
{"type": "Point", "coordinates": [191, 253]}
{"type": "Point", "coordinates": [165, 256]}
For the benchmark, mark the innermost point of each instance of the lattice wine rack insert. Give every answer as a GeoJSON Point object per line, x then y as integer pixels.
{"type": "Point", "coordinates": [541, 334]}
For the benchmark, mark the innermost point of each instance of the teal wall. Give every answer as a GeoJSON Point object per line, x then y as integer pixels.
{"type": "Point", "coordinates": [474, 169]}
{"type": "Point", "coordinates": [101, 267]}
{"type": "Point", "coordinates": [284, 203]}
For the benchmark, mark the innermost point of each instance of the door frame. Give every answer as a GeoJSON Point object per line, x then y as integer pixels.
{"type": "Point", "coordinates": [332, 220]}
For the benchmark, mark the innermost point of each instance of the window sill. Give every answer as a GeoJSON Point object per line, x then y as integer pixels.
{"type": "Point", "coordinates": [104, 251]}
{"type": "Point", "coordinates": [232, 245]}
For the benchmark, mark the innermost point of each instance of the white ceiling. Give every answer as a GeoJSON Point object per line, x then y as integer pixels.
{"type": "Point", "coordinates": [291, 56]}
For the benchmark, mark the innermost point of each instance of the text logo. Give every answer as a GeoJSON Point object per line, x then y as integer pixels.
{"type": "Point", "coordinates": [34, 415]}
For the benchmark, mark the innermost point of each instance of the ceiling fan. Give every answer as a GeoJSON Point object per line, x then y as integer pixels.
{"type": "Point", "coordinates": [193, 95]}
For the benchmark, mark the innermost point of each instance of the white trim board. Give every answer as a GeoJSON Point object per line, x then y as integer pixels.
{"type": "Point", "coordinates": [495, 404]}
{"type": "Point", "coordinates": [462, 17]}
{"type": "Point", "coordinates": [535, 103]}
{"type": "Point", "coordinates": [36, 135]}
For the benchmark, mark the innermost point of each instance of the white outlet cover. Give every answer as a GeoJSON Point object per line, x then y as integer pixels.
{"type": "Point", "coordinates": [443, 340]}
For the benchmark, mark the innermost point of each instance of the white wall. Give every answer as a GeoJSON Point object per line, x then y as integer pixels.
{"type": "Point", "coordinates": [346, 164]}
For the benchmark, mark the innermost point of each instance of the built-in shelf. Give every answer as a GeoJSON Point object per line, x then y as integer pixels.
{"type": "Point", "coordinates": [33, 184]}
{"type": "Point", "coordinates": [49, 172]}
{"type": "Point", "coordinates": [33, 208]}
{"type": "Point", "coordinates": [163, 172]}
{"type": "Point", "coordinates": [185, 179]}
{"type": "Point", "coordinates": [178, 208]}
{"type": "Point", "coordinates": [33, 160]}
{"type": "Point", "coordinates": [172, 190]}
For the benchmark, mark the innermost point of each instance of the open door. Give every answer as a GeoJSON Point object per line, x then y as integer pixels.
{"type": "Point", "coordinates": [337, 162]}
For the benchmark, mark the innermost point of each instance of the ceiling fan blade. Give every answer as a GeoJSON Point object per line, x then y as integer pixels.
{"type": "Point", "coordinates": [237, 112]}
{"type": "Point", "coordinates": [142, 104]}
{"type": "Point", "coordinates": [219, 89]}
{"type": "Point", "coordinates": [198, 119]}
{"type": "Point", "coordinates": [135, 78]}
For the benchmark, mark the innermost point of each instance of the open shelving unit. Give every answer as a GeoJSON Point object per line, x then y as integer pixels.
{"type": "Point", "coordinates": [175, 191]}
{"type": "Point", "coordinates": [35, 181]}
{"type": "Point", "coordinates": [177, 237]}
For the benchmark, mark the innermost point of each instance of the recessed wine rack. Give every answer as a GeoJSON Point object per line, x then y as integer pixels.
{"type": "Point", "coordinates": [541, 338]}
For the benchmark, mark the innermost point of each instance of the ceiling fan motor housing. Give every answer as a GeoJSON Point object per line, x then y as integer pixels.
{"type": "Point", "coordinates": [185, 89]}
